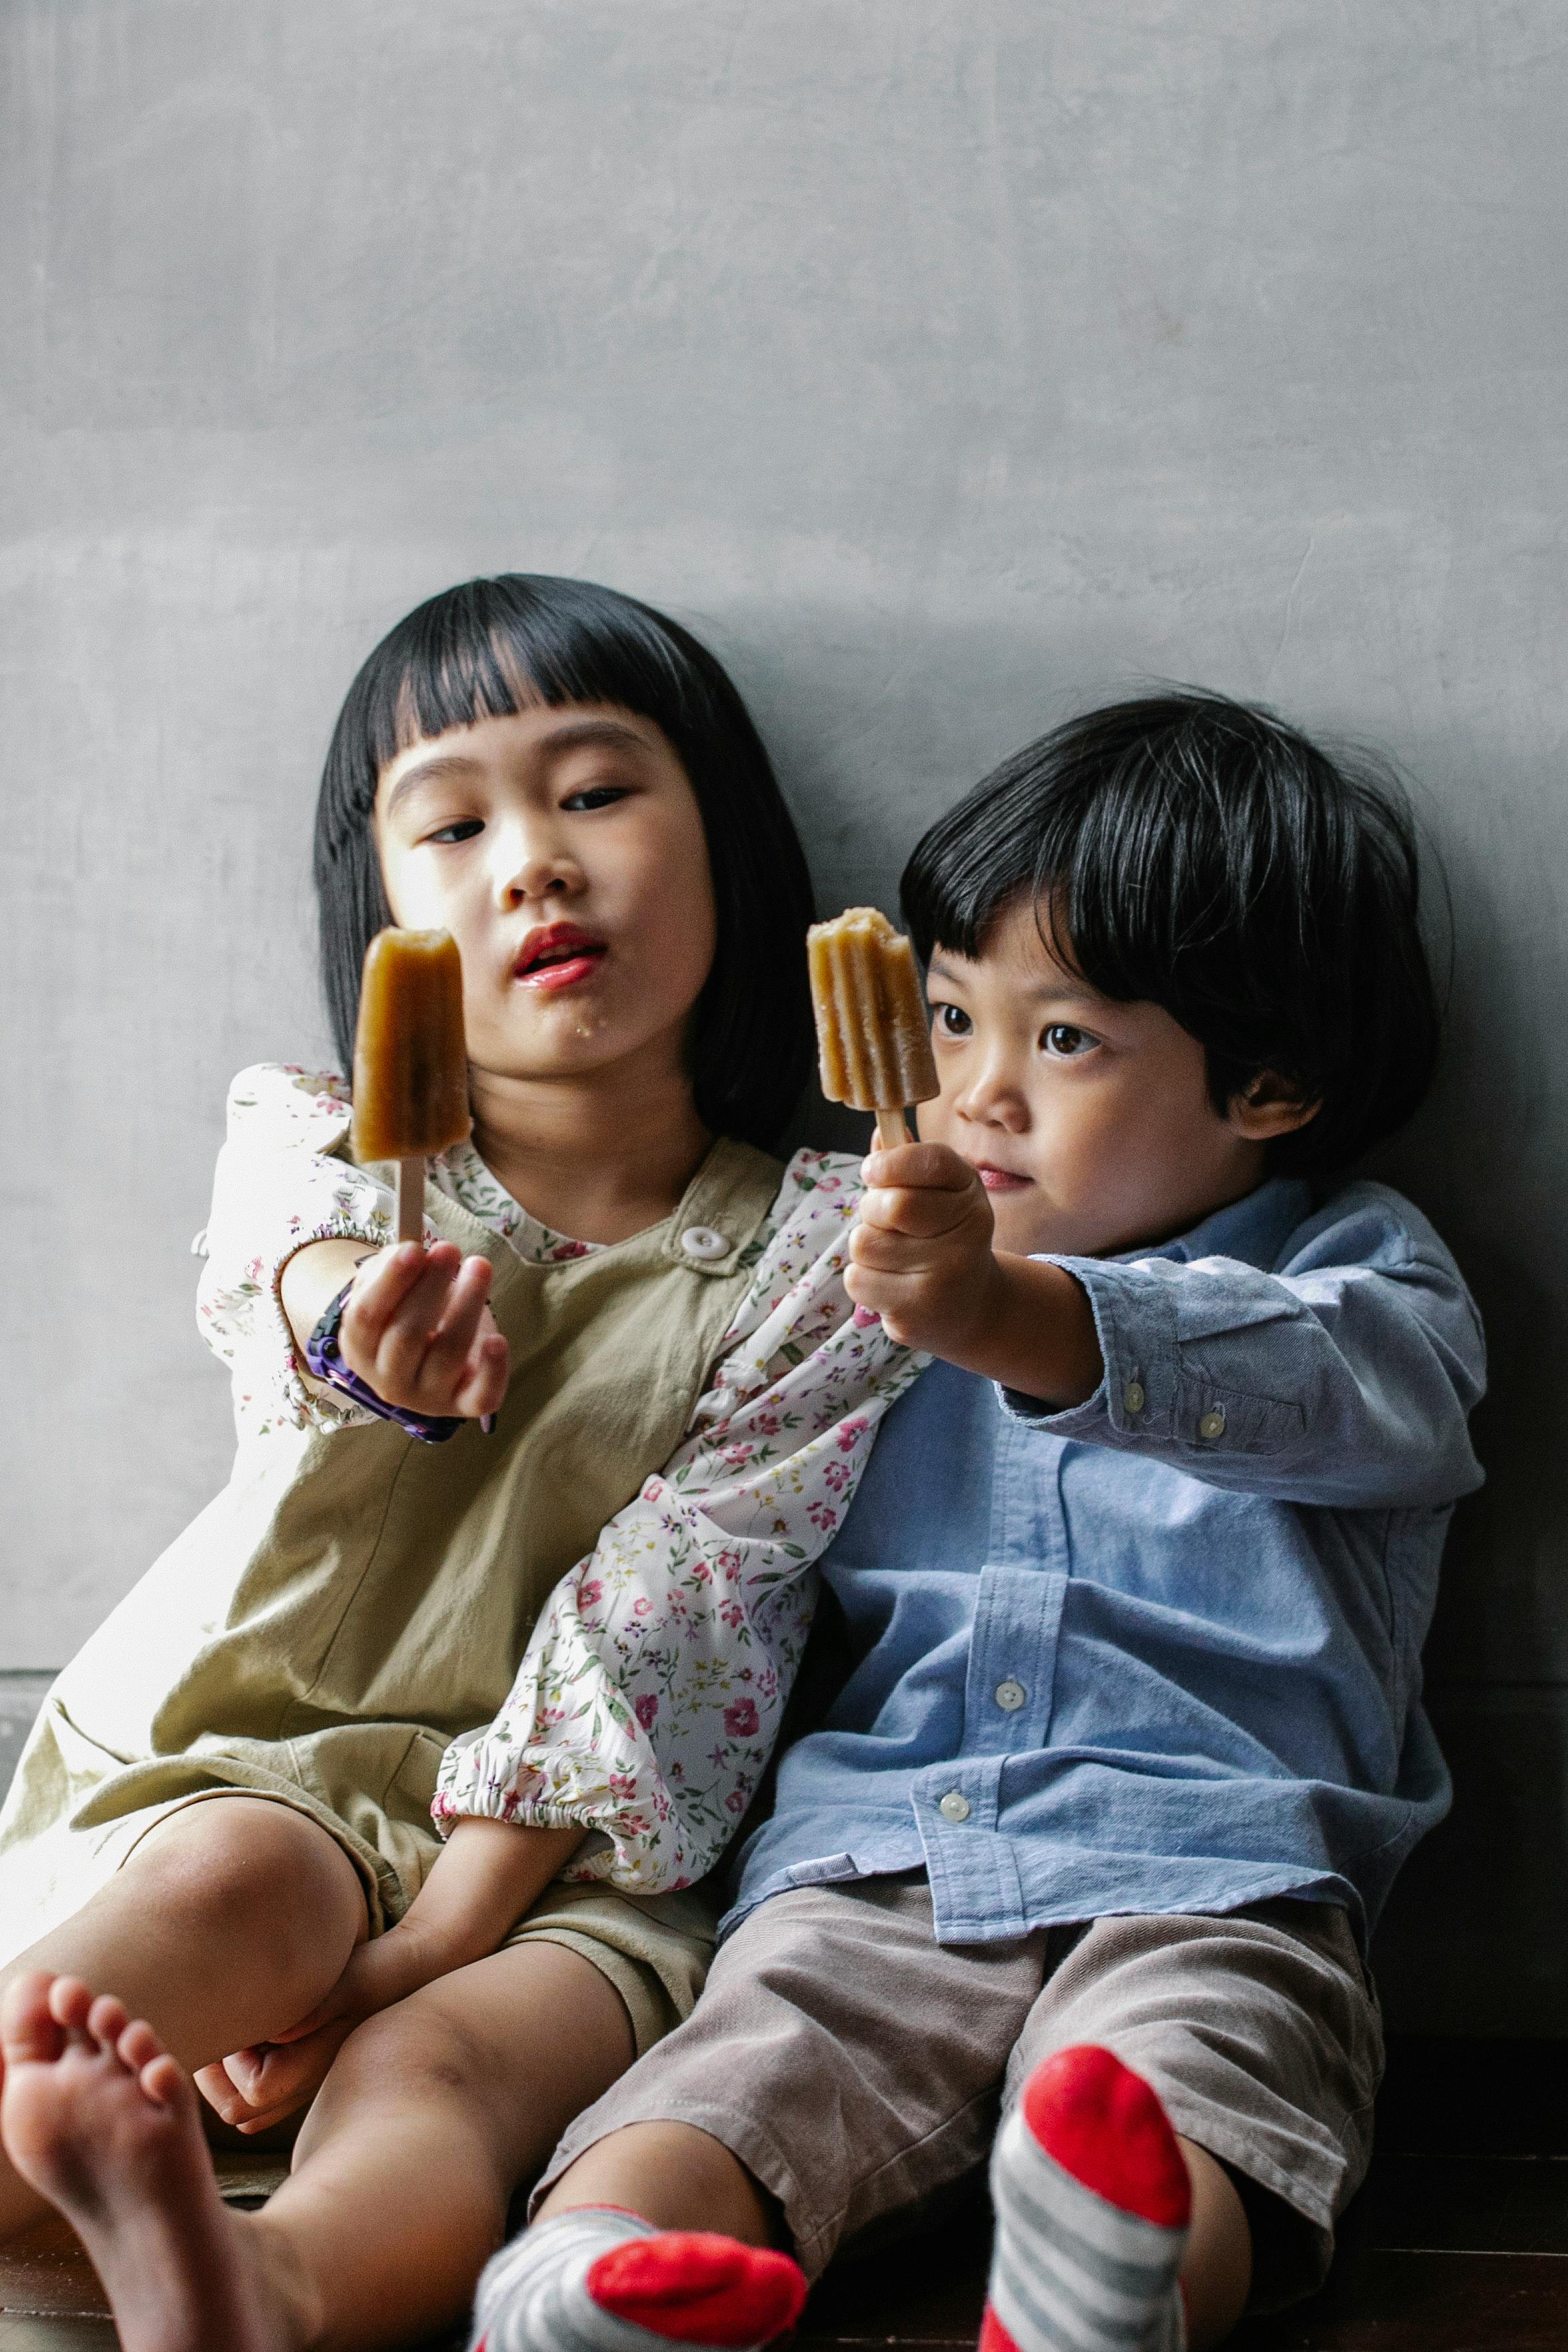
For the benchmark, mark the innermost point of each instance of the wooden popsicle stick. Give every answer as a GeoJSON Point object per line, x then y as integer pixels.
{"type": "Point", "coordinates": [411, 1200]}
{"type": "Point", "coordinates": [892, 1132]}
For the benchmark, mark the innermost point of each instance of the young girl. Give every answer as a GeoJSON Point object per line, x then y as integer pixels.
{"type": "Point", "coordinates": [222, 1822]}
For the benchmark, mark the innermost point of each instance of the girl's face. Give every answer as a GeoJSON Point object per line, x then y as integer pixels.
{"type": "Point", "coordinates": [563, 850]}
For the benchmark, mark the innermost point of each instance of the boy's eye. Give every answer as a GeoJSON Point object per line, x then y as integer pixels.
{"type": "Point", "coordinates": [952, 1021]}
{"type": "Point", "coordinates": [1066, 1043]}
{"type": "Point", "coordinates": [595, 796]}
{"type": "Point", "coordinates": [461, 828]}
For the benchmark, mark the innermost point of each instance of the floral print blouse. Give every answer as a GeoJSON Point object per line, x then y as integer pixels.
{"type": "Point", "coordinates": [650, 1693]}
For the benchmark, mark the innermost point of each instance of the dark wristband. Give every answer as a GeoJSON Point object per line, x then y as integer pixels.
{"type": "Point", "coordinates": [323, 1356]}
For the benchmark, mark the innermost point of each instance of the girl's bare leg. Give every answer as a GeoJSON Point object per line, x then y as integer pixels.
{"type": "Point", "coordinates": [227, 1924]}
{"type": "Point", "coordinates": [403, 2172]}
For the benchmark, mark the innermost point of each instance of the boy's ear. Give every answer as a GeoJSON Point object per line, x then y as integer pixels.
{"type": "Point", "coordinates": [1270, 1106]}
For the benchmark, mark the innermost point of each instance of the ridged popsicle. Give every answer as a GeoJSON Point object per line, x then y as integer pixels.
{"type": "Point", "coordinates": [872, 1034]}
{"type": "Point", "coordinates": [411, 1062]}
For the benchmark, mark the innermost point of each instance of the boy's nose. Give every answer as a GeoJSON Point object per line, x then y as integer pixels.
{"type": "Point", "coordinates": [992, 1100]}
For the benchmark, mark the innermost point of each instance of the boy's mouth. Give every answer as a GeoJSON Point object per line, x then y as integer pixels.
{"type": "Point", "coordinates": [556, 956]}
{"type": "Point", "coordinates": [1001, 1179]}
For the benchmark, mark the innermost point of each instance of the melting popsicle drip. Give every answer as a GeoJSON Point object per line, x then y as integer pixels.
{"type": "Point", "coordinates": [411, 1064]}
{"type": "Point", "coordinates": [871, 1023]}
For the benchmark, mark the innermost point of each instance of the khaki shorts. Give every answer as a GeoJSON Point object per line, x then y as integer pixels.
{"type": "Point", "coordinates": [654, 1949]}
{"type": "Point", "coordinates": [856, 2066]}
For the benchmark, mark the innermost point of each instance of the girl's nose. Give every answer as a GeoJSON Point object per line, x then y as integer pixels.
{"type": "Point", "coordinates": [534, 868]}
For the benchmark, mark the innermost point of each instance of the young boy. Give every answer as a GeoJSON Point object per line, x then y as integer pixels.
{"type": "Point", "coordinates": [1137, 1583]}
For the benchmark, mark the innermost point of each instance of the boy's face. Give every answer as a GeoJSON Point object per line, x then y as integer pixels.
{"type": "Point", "coordinates": [1089, 1122]}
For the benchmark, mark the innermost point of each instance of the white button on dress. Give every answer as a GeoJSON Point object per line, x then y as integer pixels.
{"type": "Point", "coordinates": [1212, 1425]}
{"type": "Point", "coordinates": [1010, 1695]}
{"type": "Point", "coordinates": [704, 1245]}
{"type": "Point", "coordinates": [953, 1807]}
{"type": "Point", "coordinates": [1134, 1398]}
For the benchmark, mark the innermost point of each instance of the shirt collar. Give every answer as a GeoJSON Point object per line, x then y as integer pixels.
{"type": "Point", "coordinates": [1253, 1229]}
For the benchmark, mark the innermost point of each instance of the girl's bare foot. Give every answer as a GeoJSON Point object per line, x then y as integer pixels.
{"type": "Point", "coordinates": [101, 2120]}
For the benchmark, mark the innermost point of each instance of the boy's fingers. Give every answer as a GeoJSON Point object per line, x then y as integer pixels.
{"type": "Point", "coordinates": [894, 1210]}
{"type": "Point", "coordinates": [929, 1166]}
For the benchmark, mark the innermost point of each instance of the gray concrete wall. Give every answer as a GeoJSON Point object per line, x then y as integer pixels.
{"type": "Point", "coordinates": [947, 363]}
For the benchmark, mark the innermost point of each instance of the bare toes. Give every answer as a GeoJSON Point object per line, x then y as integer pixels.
{"type": "Point", "coordinates": [161, 2080]}
{"type": "Point", "coordinates": [70, 2003]}
{"type": "Point", "coordinates": [27, 2026]}
{"type": "Point", "coordinates": [107, 2021]}
{"type": "Point", "coordinates": [138, 2045]}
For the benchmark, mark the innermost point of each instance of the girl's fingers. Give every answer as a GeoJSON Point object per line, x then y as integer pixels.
{"type": "Point", "coordinates": [381, 1285]}
{"type": "Point", "coordinates": [484, 1389]}
{"type": "Point", "coordinates": [406, 1339]}
{"type": "Point", "coordinates": [456, 1336]}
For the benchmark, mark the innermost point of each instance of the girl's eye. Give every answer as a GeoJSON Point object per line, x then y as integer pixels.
{"type": "Point", "coordinates": [462, 828]}
{"type": "Point", "coordinates": [952, 1021]}
{"type": "Point", "coordinates": [1064, 1043]}
{"type": "Point", "coordinates": [595, 796]}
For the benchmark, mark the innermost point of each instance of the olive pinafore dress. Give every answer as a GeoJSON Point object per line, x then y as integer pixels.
{"type": "Point", "coordinates": [354, 1599]}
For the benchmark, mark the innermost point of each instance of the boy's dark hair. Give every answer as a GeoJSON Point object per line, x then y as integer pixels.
{"type": "Point", "coordinates": [1192, 852]}
{"type": "Point", "coordinates": [494, 646]}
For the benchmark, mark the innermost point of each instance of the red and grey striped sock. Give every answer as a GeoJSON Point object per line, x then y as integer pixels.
{"type": "Point", "coordinates": [1092, 2203]}
{"type": "Point", "coordinates": [598, 2279]}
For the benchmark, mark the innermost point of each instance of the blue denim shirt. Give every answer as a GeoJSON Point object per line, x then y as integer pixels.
{"type": "Point", "coordinates": [1160, 1652]}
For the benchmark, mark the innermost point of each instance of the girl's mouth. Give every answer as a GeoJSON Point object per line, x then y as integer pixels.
{"type": "Point", "coordinates": [1002, 1179]}
{"type": "Point", "coordinates": [557, 956]}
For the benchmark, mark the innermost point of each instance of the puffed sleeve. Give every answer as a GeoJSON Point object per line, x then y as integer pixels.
{"type": "Point", "coordinates": [278, 1185]}
{"type": "Point", "coordinates": [1346, 1375]}
{"type": "Point", "coordinates": [649, 1696]}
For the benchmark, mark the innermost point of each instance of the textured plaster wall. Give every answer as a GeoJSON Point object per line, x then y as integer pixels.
{"type": "Point", "coordinates": [946, 362]}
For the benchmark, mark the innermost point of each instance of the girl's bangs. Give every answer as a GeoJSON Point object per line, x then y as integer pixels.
{"type": "Point", "coordinates": [499, 647]}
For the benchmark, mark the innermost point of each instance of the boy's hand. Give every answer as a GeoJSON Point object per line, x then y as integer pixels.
{"type": "Point", "coordinates": [923, 1258]}
{"type": "Point", "coordinates": [417, 1327]}
{"type": "Point", "coordinates": [922, 1255]}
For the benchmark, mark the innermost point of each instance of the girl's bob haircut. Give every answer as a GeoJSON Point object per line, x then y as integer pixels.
{"type": "Point", "coordinates": [1195, 852]}
{"type": "Point", "coordinates": [492, 647]}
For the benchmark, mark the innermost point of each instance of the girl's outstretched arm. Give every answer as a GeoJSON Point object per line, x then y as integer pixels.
{"type": "Point", "coordinates": [650, 1695]}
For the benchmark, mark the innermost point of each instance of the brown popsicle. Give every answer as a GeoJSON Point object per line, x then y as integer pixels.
{"type": "Point", "coordinates": [872, 1030]}
{"type": "Point", "coordinates": [411, 1062]}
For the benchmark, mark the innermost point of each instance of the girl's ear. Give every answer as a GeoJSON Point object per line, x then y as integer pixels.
{"type": "Point", "coordinates": [1269, 1105]}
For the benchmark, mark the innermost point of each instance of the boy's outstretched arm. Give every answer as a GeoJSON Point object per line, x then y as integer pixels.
{"type": "Point", "coordinates": [485, 1877]}
{"type": "Point", "coordinates": [923, 1258]}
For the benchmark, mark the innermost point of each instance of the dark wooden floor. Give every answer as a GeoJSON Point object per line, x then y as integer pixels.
{"type": "Point", "coordinates": [1458, 2243]}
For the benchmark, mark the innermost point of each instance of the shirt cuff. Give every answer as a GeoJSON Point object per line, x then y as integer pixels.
{"type": "Point", "coordinates": [1134, 1315]}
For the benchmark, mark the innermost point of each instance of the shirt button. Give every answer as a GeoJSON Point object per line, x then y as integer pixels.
{"type": "Point", "coordinates": [1134, 1398]}
{"type": "Point", "coordinates": [704, 1245]}
{"type": "Point", "coordinates": [953, 1807]}
{"type": "Point", "coordinates": [1212, 1425]}
{"type": "Point", "coordinates": [1010, 1696]}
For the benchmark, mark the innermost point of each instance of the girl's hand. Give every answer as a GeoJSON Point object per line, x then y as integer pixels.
{"type": "Point", "coordinates": [418, 1328]}
{"type": "Point", "coordinates": [923, 1258]}
{"type": "Point", "coordinates": [260, 2087]}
